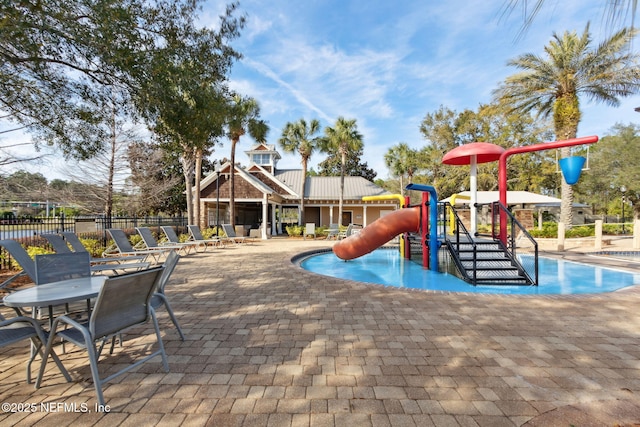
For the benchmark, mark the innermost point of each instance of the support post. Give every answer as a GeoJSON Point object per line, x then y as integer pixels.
{"type": "Point", "coordinates": [433, 220]}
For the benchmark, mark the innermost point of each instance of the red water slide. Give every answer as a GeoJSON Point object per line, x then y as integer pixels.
{"type": "Point", "coordinates": [378, 233]}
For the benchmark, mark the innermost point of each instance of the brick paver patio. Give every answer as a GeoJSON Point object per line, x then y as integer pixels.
{"type": "Point", "coordinates": [269, 344]}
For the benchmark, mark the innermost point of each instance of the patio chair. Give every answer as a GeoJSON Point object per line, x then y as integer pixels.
{"type": "Point", "coordinates": [149, 242]}
{"type": "Point", "coordinates": [77, 246]}
{"type": "Point", "coordinates": [334, 230]}
{"type": "Point", "coordinates": [159, 297]}
{"type": "Point", "coordinates": [64, 266]}
{"type": "Point", "coordinates": [172, 237]}
{"type": "Point", "coordinates": [351, 229]}
{"type": "Point", "coordinates": [22, 258]}
{"type": "Point", "coordinates": [61, 247]}
{"type": "Point", "coordinates": [122, 247]}
{"type": "Point", "coordinates": [232, 236]}
{"type": "Point", "coordinates": [123, 303]}
{"type": "Point", "coordinates": [345, 233]}
{"type": "Point", "coordinates": [26, 328]}
{"type": "Point", "coordinates": [309, 230]}
{"type": "Point", "coordinates": [196, 236]}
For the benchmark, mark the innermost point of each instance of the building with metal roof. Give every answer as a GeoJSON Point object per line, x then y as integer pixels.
{"type": "Point", "coordinates": [264, 192]}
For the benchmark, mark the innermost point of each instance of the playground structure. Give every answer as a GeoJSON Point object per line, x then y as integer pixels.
{"type": "Point", "coordinates": [477, 260]}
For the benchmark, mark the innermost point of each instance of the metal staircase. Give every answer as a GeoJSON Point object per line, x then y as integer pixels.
{"type": "Point", "coordinates": [488, 261]}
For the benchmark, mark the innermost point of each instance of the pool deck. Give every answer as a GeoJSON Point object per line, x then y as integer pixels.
{"type": "Point", "coordinates": [269, 344]}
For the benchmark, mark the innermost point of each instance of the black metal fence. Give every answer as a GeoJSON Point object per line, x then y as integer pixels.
{"type": "Point", "coordinates": [28, 232]}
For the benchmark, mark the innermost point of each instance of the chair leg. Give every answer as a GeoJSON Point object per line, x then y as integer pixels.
{"type": "Point", "coordinates": [45, 356]}
{"type": "Point", "coordinates": [165, 302]}
{"type": "Point", "coordinates": [163, 354]}
{"type": "Point", "coordinates": [93, 363]}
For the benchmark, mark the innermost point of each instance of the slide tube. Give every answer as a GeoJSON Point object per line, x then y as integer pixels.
{"type": "Point", "coordinates": [378, 233]}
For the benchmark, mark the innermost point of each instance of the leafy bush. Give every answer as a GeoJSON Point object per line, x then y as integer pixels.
{"type": "Point", "coordinates": [580, 231]}
{"type": "Point", "coordinates": [93, 246]}
{"type": "Point", "coordinates": [210, 232]}
{"type": "Point", "coordinates": [550, 231]}
{"type": "Point", "coordinates": [294, 230]}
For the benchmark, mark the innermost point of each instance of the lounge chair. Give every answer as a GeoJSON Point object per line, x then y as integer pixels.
{"type": "Point", "coordinates": [309, 230]}
{"type": "Point", "coordinates": [123, 303]}
{"type": "Point", "coordinates": [173, 238]}
{"type": "Point", "coordinates": [122, 247]}
{"type": "Point", "coordinates": [231, 235]}
{"type": "Point", "coordinates": [149, 242]}
{"type": "Point", "coordinates": [77, 246]}
{"type": "Point", "coordinates": [351, 229]}
{"type": "Point", "coordinates": [22, 258]}
{"type": "Point", "coordinates": [97, 266]}
{"type": "Point", "coordinates": [334, 231]}
{"type": "Point", "coordinates": [195, 235]}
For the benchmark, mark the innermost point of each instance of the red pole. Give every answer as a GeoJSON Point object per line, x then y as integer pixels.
{"type": "Point", "coordinates": [502, 169]}
{"type": "Point", "coordinates": [406, 243]}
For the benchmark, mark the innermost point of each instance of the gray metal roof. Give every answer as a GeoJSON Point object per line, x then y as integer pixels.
{"type": "Point", "coordinates": [328, 187]}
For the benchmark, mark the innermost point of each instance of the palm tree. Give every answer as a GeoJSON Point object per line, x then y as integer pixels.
{"type": "Point", "coordinates": [299, 137]}
{"type": "Point", "coordinates": [341, 139]}
{"type": "Point", "coordinates": [571, 68]}
{"type": "Point", "coordinates": [402, 160]}
{"type": "Point", "coordinates": [242, 117]}
{"type": "Point", "coordinates": [617, 12]}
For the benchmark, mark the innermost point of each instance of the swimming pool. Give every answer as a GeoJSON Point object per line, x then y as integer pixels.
{"type": "Point", "coordinates": [386, 267]}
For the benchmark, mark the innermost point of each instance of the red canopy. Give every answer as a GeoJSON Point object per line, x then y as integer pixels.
{"type": "Point", "coordinates": [485, 152]}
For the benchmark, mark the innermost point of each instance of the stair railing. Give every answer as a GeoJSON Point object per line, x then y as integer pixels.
{"type": "Point", "coordinates": [457, 236]}
{"type": "Point", "coordinates": [518, 239]}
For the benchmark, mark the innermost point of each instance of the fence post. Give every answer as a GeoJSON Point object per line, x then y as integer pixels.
{"type": "Point", "coordinates": [636, 234]}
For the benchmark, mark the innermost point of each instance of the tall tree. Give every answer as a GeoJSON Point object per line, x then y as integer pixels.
{"type": "Point", "coordinates": [613, 165]}
{"type": "Point", "coordinates": [56, 58]}
{"type": "Point", "coordinates": [184, 97]}
{"type": "Point", "coordinates": [243, 116]}
{"type": "Point", "coordinates": [156, 174]}
{"type": "Point", "coordinates": [332, 165]}
{"type": "Point", "coordinates": [341, 139]}
{"type": "Point", "coordinates": [299, 137]}
{"type": "Point", "coordinates": [402, 161]}
{"type": "Point", "coordinates": [571, 68]}
{"type": "Point", "coordinates": [617, 12]}
{"type": "Point", "coordinates": [108, 170]}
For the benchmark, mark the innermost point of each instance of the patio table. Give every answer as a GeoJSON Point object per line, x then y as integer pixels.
{"type": "Point", "coordinates": [56, 293]}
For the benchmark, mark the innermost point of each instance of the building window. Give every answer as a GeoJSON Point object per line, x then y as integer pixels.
{"type": "Point", "coordinates": [262, 159]}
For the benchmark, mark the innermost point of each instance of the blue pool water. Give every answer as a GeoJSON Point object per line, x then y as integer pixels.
{"type": "Point", "coordinates": [386, 267]}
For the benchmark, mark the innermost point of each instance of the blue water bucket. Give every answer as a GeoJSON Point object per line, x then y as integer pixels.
{"type": "Point", "coordinates": [571, 168]}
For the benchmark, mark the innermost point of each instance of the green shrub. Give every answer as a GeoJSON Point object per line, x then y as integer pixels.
{"type": "Point", "coordinates": [210, 232]}
{"type": "Point", "coordinates": [550, 231]}
{"type": "Point", "coordinates": [580, 231]}
{"type": "Point", "coordinates": [93, 246]}
{"type": "Point", "coordinates": [294, 230]}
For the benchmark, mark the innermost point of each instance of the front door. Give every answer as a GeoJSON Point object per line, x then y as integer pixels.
{"type": "Point", "coordinates": [346, 217]}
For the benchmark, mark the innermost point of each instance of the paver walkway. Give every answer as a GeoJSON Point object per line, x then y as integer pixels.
{"type": "Point", "coordinates": [269, 344]}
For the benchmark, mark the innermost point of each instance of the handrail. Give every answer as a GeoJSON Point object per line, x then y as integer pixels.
{"type": "Point", "coordinates": [500, 211]}
{"type": "Point", "coordinates": [459, 229]}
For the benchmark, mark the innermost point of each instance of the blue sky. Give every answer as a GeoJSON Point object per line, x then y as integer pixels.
{"type": "Point", "coordinates": [387, 64]}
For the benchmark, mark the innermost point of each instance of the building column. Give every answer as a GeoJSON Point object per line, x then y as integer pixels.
{"type": "Point", "coordinates": [364, 216]}
{"type": "Point", "coordinates": [265, 215]}
{"type": "Point", "coordinates": [274, 226]}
